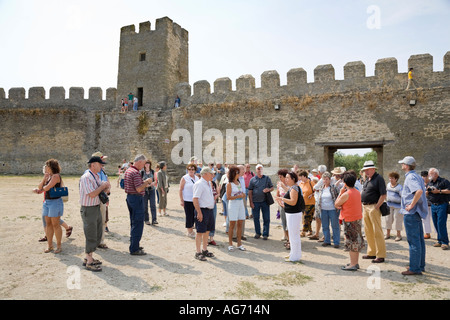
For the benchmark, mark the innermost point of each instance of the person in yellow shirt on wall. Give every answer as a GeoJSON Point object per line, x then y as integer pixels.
{"type": "Point", "coordinates": [411, 81]}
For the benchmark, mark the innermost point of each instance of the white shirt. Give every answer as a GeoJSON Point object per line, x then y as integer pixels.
{"type": "Point", "coordinates": [189, 187]}
{"type": "Point", "coordinates": [204, 194]}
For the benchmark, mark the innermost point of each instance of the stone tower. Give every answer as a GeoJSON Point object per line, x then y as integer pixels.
{"type": "Point", "coordinates": [152, 62]}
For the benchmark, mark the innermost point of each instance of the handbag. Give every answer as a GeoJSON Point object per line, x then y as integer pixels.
{"type": "Point", "coordinates": [60, 192]}
{"type": "Point", "coordinates": [385, 210]}
{"type": "Point", "coordinates": [268, 195]}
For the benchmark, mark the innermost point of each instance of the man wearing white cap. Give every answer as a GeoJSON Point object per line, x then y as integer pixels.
{"type": "Point", "coordinates": [414, 207]}
{"type": "Point", "coordinates": [203, 200]}
{"type": "Point", "coordinates": [372, 197]}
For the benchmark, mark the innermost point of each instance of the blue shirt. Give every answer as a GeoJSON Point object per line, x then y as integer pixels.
{"type": "Point", "coordinates": [413, 183]}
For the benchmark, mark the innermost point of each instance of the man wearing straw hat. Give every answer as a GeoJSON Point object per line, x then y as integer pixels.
{"type": "Point", "coordinates": [372, 197]}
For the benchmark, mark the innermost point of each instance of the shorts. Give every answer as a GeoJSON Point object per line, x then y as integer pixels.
{"type": "Point", "coordinates": [207, 223]}
{"type": "Point", "coordinates": [53, 208]}
{"type": "Point", "coordinates": [236, 210]}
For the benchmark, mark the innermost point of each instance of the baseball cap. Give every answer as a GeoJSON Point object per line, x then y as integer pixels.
{"type": "Point", "coordinates": [96, 159]}
{"type": "Point", "coordinates": [408, 160]}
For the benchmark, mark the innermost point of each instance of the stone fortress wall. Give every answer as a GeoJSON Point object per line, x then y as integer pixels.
{"type": "Point", "coordinates": [313, 119]}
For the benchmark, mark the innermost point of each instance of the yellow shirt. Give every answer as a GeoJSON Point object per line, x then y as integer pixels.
{"type": "Point", "coordinates": [410, 75]}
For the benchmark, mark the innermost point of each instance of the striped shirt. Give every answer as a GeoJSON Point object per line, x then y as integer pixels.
{"type": "Point", "coordinates": [133, 180]}
{"type": "Point", "coordinates": [88, 184]}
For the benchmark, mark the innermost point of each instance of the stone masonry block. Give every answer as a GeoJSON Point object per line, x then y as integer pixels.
{"type": "Point", "coordinates": [2, 94]}
{"type": "Point", "coordinates": [422, 63]}
{"type": "Point", "coordinates": [201, 88]}
{"type": "Point", "coordinates": [16, 94]}
{"type": "Point", "coordinates": [386, 68]}
{"type": "Point", "coordinates": [57, 93]}
{"type": "Point", "coordinates": [297, 76]}
{"type": "Point", "coordinates": [183, 90]}
{"type": "Point", "coordinates": [222, 85]}
{"type": "Point", "coordinates": [447, 62]}
{"type": "Point", "coordinates": [324, 73]}
{"type": "Point", "coordinates": [270, 79]}
{"type": "Point", "coordinates": [76, 93]}
{"type": "Point", "coordinates": [111, 94]}
{"type": "Point", "coordinates": [36, 94]}
{"type": "Point", "coordinates": [95, 94]}
{"type": "Point", "coordinates": [355, 69]}
{"type": "Point", "coordinates": [245, 83]}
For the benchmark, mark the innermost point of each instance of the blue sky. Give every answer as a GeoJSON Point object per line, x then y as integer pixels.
{"type": "Point", "coordinates": [48, 43]}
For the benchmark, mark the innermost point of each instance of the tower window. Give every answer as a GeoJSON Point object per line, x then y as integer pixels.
{"type": "Point", "coordinates": [142, 56]}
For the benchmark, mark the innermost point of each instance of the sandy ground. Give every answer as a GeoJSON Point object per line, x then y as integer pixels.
{"type": "Point", "coordinates": [170, 271]}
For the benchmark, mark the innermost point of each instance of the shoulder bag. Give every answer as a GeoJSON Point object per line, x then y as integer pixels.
{"type": "Point", "coordinates": [60, 192]}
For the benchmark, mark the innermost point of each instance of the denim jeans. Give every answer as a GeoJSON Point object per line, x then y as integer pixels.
{"type": "Point", "coordinates": [150, 198]}
{"type": "Point", "coordinates": [330, 216]}
{"type": "Point", "coordinates": [439, 215]}
{"type": "Point", "coordinates": [264, 207]}
{"type": "Point", "coordinates": [414, 233]}
{"type": "Point", "coordinates": [135, 205]}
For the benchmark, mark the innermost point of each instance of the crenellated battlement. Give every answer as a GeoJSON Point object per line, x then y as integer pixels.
{"type": "Point", "coordinates": [57, 95]}
{"type": "Point", "coordinates": [386, 76]}
{"type": "Point", "coordinates": [163, 25]}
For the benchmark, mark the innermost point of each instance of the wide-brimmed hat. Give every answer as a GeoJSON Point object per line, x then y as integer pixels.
{"type": "Point", "coordinates": [99, 154]}
{"type": "Point", "coordinates": [368, 165]}
{"type": "Point", "coordinates": [337, 170]}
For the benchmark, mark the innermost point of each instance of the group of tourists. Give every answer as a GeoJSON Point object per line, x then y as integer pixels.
{"type": "Point", "coordinates": [334, 200]}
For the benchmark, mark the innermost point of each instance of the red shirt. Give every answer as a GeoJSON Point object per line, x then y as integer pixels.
{"type": "Point", "coordinates": [247, 177]}
{"type": "Point", "coordinates": [133, 180]}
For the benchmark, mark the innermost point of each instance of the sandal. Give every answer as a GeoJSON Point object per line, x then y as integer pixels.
{"type": "Point", "coordinates": [93, 267]}
{"type": "Point", "coordinates": [94, 262]}
{"type": "Point", "coordinates": [242, 248]}
{"type": "Point", "coordinates": [58, 250]}
{"type": "Point", "coordinates": [48, 250]}
{"type": "Point", "coordinates": [43, 239]}
{"type": "Point", "coordinates": [200, 256]}
{"type": "Point", "coordinates": [102, 246]}
{"type": "Point", "coordinates": [69, 232]}
{"type": "Point", "coordinates": [314, 237]}
{"type": "Point", "coordinates": [287, 245]}
{"type": "Point", "coordinates": [230, 248]}
{"type": "Point", "coordinates": [208, 254]}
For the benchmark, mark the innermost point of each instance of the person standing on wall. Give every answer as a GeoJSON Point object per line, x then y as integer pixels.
{"type": "Point", "coordinates": [410, 80]}
{"type": "Point", "coordinates": [438, 192]}
{"type": "Point", "coordinates": [258, 187]}
{"type": "Point", "coordinates": [135, 189]}
{"type": "Point", "coordinates": [135, 104]}
{"type": "Point", "coordinates": [372, 197]}
{"type": "Point", "coordinates": [414, 209]}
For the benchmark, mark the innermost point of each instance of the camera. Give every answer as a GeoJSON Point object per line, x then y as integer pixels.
{"type": "Point", "coordinates": [429, 189]}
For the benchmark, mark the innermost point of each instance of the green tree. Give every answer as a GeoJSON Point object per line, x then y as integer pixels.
{"type": "Point", "coordinates": [353, 161]}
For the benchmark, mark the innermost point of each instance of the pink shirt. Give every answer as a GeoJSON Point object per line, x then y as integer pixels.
{"type": "Point", "coordinates": [247, 177]}
{"type": "Point", "coordinates": [89, 182]}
